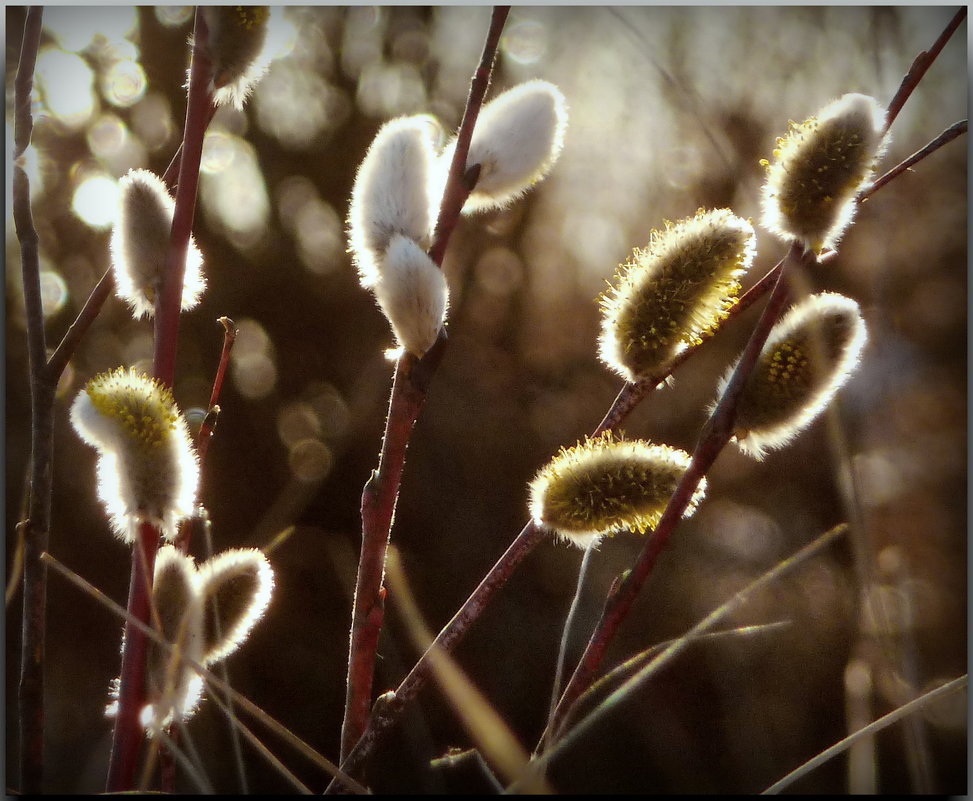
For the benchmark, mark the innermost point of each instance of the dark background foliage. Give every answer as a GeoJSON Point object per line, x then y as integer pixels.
{"type": "Point", "coordinates": [671, 110]}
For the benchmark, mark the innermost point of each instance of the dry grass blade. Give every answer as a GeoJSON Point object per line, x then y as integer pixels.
{"type": "Point", "coordinates": [493, 737]}
{"type": "Point", "coordinates": [892, 717]}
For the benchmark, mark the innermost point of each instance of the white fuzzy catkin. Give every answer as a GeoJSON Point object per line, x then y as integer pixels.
{"type": "Point", "coordinates": [234, 586]}
{"type": "Point", "coordinates": [517, 138]}
{"type": "Point", "coordinates": [140, 245]}
{"type": "Point", "coordinates": [173, 687]}
{"type": "Point", "coordinates": [147, 467]}
{"type": "Point", "coordinates": [393, 192]}
{"type": "Point", "coordinates": [237, 584]}
{"type": "Point", "coordinates": [413, 294]}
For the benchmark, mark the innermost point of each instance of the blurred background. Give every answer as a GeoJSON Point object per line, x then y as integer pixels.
{"type": "Point", "coordinates": [671, 110]}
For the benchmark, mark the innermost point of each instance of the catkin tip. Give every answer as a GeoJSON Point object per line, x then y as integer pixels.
{"type": "Point", "coordinates": [147, 466]}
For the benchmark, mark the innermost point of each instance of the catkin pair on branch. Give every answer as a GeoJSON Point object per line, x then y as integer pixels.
{"type": "Point", "coordinates": [205, 613]}
{"type": "Point", "coordinates": [399, 187]}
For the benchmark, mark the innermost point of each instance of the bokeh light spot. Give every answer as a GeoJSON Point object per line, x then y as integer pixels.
{"type": "Point", "coordinates": [124, 83]}
{"type": "Point", "coordinates": [151, 119]}
{"type": "Point", "coordinates": [96, 201]}
{"type": "Point", "coordinates": [254, 375]}
{"type": "Point", "coordinates": [310, 460]}
{"type": "Point", "coordinates": [525, 41]}
{"type": "Point", "coordinates": [297, 421]}
{"type": "Point", "coordinates": [54, 292]}
{"type": "Point", "coordinates": [173, 16]}
{"type": "Point", "coordinates": [107, 136]}
{"type": "Point", "coordinates": [65, 81]}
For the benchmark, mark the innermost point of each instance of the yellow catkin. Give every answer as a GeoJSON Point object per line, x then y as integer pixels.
{"type": "Point", "coordinates": [604, 485]}
{"type": "Point", "coordinates": [673, 293]}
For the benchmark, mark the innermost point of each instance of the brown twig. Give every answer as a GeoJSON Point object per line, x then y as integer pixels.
{"type": "Point", "coordinates": [953, 131]}
{"type": "Point", "coordinates": [73, 336]}
{"type": "Point", "coordinates": [128, 734]}
{"type": "Point", "coordinates": [37, 527]}
{"type": "Point", "coordinates": [920, 65]}
{"type": "Point", "coordinates": [409, 388]}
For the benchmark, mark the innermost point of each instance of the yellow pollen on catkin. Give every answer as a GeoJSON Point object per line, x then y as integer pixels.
{"type": "Point", "coordinates": [145, 411]}
{"type": "Point", "coordinates": [819, 169]}
{"type": "Point", "coordinates": [809, 355]}
{"type": "Point", "coordinates": [604, 485]}
{"type": "Point", "coordinates": [674, 293]}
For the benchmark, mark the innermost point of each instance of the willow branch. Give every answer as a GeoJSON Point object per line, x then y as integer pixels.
{"type": "Point", "coordinates": [409, 388]}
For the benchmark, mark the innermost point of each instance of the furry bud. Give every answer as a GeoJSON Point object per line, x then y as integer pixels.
{"type": "Point", "coordinates": [140, 245]}
{"type": "Point", "coordinates": [517, 138]}
{"type": "Point", "coordinates": [172, 687]}
{"type": "Point", "coordinates": [819, 169]}
{"type": "Point", "coordinates": [807, 358]}
{"type": "Point", "coordinates": [205, 614]}
{"type": "Point", "coordinates": [604, 485]}
{"type": "Point", "coordinates": [413, 294]}
{"type": "Point", "coordinates": [235, 588]}
{"type": "Point", "coordinates": [393, 193]}
{"type": "Point", "coordinates": [147, 468]}
{"type": "Point", "coordinates": [235, 42]}
{"type": "Point", "coordinates": [674, 292]}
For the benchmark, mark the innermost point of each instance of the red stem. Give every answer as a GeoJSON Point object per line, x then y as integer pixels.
{"type": "Point", "coordinates": [409, 388]}
{"type": "Point", "coordinates": [377, 510]}
{"type": "Point", "coordinates": [128, 734]}
{"type": "Point", "coordinates": [169, 300]}
{"type": "Point", "coordinates": [953, 131]}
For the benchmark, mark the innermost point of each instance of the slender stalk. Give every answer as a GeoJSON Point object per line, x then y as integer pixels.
{"type": "Point", "coordinates": [37, 526]}
{"type": "Point", "coordinates": [920, 65]}
{"type": "Point", "coordinates": [887, 720]}
{"type": "Point", "coordinates": [128, 734]}
{"type": "Point", "coordinates": [209, 422]}
{"type": "Point", "coordinates": [409, 388]}
{"type": "Point", "coordinates": [76, 331]}
{"type": "Point", "coordinates": [566, 632]}
{"type": "Point", "coordinates": [953, 131]}
{"type": "Point", "coordinates": [169, 300]}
